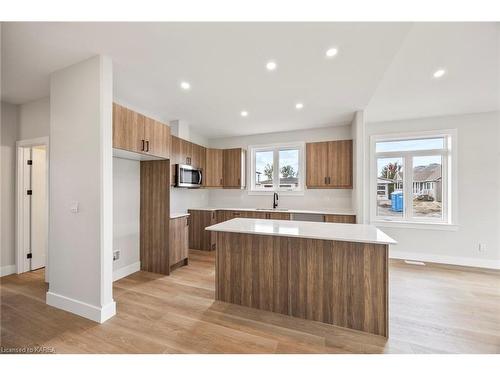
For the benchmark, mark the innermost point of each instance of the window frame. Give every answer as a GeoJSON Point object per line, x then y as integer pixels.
{"type": "Point", "coordinates": [276, 148]}
{"type": "Point", "coordinates": [448, 176]}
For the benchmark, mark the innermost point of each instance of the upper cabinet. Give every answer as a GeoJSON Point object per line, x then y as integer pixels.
{"type": "Point", "coordinates": [127, 132]}
{"type": "Point", "coordinates": [135, 132]}
{"type": "Point", "coordinates": [233, 168]}
{"type": "Point", "coordinates": [213, 168]}
{"type": "Point", "coordinates": [329, 164]}
{"type": "Point", "coordinates": [185, 152]}
{"type": "Point", "coordinates": [198, 156]}
{"type": "Point", "coordinates": [317, 165]}
{"type": "Point", "coordinates": [157, 138]}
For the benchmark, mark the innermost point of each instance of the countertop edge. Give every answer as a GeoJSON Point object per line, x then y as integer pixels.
{"type": "Point", "coordinates": [313, 237]}
{"type": "Point", "coordinates": [178, 215]}
{"type": "Point", "coordinates": [291, 210]}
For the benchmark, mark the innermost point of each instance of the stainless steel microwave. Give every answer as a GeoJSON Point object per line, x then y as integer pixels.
{"type": "Point", "coordinates": [188, 176]}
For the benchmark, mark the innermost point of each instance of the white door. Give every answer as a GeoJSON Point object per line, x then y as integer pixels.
{"type": "Point", "coordinates": [38, 207]}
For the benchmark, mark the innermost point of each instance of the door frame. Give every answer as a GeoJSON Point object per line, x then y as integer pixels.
{"type": "Point", "coordinates": [20, 145]}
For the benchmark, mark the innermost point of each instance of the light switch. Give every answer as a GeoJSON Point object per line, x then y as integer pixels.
{"type": "Point", "coordinates": [74, 207]}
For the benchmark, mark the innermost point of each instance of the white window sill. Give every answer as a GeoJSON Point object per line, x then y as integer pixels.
{"type": "Point", "coordinates": [415, 225]}
{"type": "Point", "coordinates": [280, 192]}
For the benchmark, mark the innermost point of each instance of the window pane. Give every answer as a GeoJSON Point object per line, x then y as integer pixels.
{"type": "Point", "coordinates": [289, 168]}
{"type": "Point", "coordinates": [390, 196]}
{"type": "Point", "coordinates": [411, 145]}
{"type": "Point", "coordinates": [264, 169]}
{"type": "Point", "coordinates": [427, 186]}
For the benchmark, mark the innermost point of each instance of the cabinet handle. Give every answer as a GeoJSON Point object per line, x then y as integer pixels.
{"type": "Point", "coordinates": [221, 181]}
{"type": "Point", "coordinates": [147, 146]}
{"type": "Point", "coordinates": [142, 141]}
{"type": "Point", "coordinates": [326, 180]}
{"type": "Point", "coordinates": [239, 181]}
{"type": "Point", "coordinates": [329, 180]}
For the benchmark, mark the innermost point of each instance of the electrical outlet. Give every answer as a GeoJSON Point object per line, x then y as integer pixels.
{"type": "Point", "coordinates": [482, 247]}
{"type": "Point", "coordinates": [116, 255]}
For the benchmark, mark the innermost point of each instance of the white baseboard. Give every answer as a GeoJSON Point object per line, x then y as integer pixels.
{"type": "Point", "coordinates": [127, 270]}
{"type": "Point", "coordinates": [445, 259]}
{"type": "Point", "coordinates": [95, 313]}
{"type": "Point", "coordinates": [7, 270]}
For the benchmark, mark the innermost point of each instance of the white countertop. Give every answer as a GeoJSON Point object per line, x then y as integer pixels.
{"type": "Point", "coordinates": [305, 229]}
{"type": "Point", "coordinates": [176, 215]}
{"type": "Point", "coordinates": [340, 211]}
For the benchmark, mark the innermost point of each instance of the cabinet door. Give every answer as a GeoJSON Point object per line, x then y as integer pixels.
{"type": "Point", "coordinates": [221, 216]}
{"type": "Point", "coordinates": [340, 164]}
{"type": "Point", "coordinates": [186, 152]}
{"type": "Point", "coordinates": [128, 133]}
{"type": "Point", "coordinates": [198, 156]}
{"type": "Point", "coordinates": [157, 138]}
{"type": "Point", "coordinates": [279, 215]}
{"type": "Point", "coordinates": [199, 238]}
{"type": "Point", "coordinates": [317, 164]}
{"type": "Point", "coordinates": [178, 241]}
{"type": "Point", "coordinates": [346, 219]}
{"type": "Point", "coordinates": [175, 156]}
{"type": "Point", "coordinates": [252, 214]}
{"type": "Point", "coordinates": [232, 173]}
{"type": "Point", "coordinates": [213, 168]}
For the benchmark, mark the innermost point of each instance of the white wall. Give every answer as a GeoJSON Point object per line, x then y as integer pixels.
{"type": "Point", "coordinates": [126, 215]}
{"type": "Point", "coordinates": [19, 122]}
{"type": "Point", "coordinates": [8, 135]}
{"type": "Point", "coordinates": [181, 199]}
{"type": "Point", "coordinates": [478, 193]}
{"type": "Point", "coordinates": [80, 274]}
{"type": "Point", "coordinates": [34, 119]}
{"type": "Point", "coordinates": [312, 199]}
{"type": "Point", "coordinates": [358, 136]}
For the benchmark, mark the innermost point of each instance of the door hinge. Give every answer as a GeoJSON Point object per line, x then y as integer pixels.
{"type": "Point", "coordinates": [29, 162]}
{"type": "Point", "coordinates": [29, 256]}
{"type": "Point", "coordinates": [29, 192]}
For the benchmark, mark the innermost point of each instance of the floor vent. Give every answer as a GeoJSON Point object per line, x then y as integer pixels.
{"type": "Point", "coordinates": [415, 262]}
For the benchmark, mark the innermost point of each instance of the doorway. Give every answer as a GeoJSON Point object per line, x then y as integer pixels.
{"type": "Point", "coordinates": [32, 205]}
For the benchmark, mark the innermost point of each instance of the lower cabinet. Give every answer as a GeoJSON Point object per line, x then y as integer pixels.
{"type": "Point", "coordinates": [345, 219]}
{"type": "Point", "coordinates": [199, 238]}
{"type": "Point", "coordinates": [178, 242]}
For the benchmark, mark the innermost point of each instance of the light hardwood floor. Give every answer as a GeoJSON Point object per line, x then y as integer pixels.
{"type": "Point", "coordinates": [433, 309]}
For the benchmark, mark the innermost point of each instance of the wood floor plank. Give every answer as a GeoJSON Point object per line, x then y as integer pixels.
{"type": "Point", "coordinates": [433, 309]}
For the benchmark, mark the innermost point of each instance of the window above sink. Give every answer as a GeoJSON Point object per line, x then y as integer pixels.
{"type": "Point", "coordinates": [277, 168]}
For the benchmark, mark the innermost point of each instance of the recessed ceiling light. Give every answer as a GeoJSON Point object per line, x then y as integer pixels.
{"type": "Point", "coordinates": [271, 65]}
{"type": "Point", "coordinates": [185, 85]}
{"type": "Point", "coordinates": [299, 105]}
{"type": "Point", "coordinates": [439, 73]}
{"type": "Point", "coordinates": [244, 113]}
{"type": "Point", "coordinates": [331, 52]}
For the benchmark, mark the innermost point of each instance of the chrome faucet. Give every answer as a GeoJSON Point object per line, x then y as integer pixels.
{"type": "Point", "coordinates": [275, 200]}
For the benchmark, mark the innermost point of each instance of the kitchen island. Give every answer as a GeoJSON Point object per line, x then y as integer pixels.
{"type": "Point", "coordinates": [327, 272]}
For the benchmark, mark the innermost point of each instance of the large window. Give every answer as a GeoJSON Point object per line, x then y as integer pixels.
{"type": "Point", "coordinates": [277, 168]}
{"type": "Point", "coordinates": [411, 178]}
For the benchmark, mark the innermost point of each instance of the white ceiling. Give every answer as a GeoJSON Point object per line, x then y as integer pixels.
{"type": "Point", "coordinates": [469, 52]}
{"type": "Point", "coordinates": [385, 66]}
